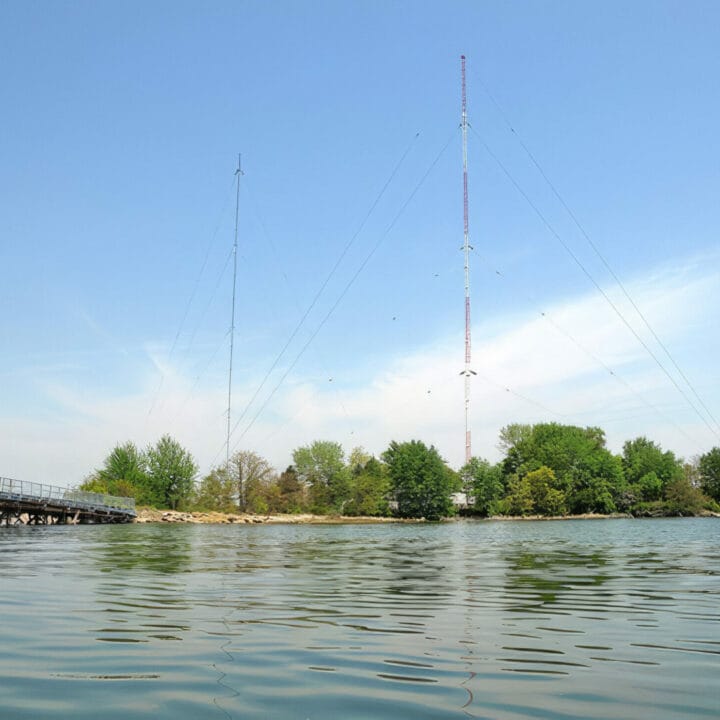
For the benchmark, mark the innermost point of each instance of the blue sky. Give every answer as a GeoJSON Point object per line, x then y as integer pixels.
{"type": "Point", "coordinates": [121, 125]}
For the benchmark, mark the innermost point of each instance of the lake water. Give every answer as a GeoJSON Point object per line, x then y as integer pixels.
{"type": "Point", "coordinates": [503, 620]}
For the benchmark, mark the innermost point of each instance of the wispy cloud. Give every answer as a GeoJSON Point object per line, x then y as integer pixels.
{"type": "Point", "coordinates": [528, 371]}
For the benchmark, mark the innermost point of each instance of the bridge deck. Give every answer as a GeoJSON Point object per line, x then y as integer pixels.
{"type": "Point", "coordinates": [34, 503]}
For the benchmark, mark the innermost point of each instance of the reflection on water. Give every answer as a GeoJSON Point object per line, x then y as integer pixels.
{"type": "Point", "coordinates": [159, 550]}
{"type": "Point", "coordinates": [140, 590]}
{"type": "Point", "coordinates": [546, 581]}
{"type": "Point", "coordinates": [606, 619]}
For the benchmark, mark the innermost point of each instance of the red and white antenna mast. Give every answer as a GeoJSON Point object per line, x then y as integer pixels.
{"type": "Point", "coordinates": [467, 372]}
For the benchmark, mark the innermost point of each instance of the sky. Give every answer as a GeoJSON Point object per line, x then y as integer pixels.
{"type": "Point", "coordinates": [594, 173]}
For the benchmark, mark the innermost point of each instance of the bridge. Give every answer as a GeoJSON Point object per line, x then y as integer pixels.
{"type": "Point", "coordinates": [29, 503]}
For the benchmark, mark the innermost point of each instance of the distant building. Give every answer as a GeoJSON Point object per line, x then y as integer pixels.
{"type": "Point", "coordinates": [462, 500]}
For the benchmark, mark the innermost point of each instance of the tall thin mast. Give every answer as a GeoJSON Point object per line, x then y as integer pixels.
{"type": "Point", "coordinates": [467, 372]}
{"type": "Point", "coordinates": [238, 173]}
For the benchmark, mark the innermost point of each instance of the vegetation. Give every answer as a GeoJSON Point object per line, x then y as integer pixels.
{"type": "Point", "coordinates": [170, 474]}
{"type": "Point", "coordinates": [163, 475]}
{"type": "Point", "coordinates": [709, 471]}
{"type": "Point", "coordinates": [419, 479]}
{"type": "Point", "coordinates": [547, 469]}
{"type": "Point", "coordinates": [321, 466]}
{"type": "Point", "coordinates": [553, 469]}
{"type": "Point", "coordinates": [215, 493]}
{"type": "Point", "coordinates": [123, 472]}
{"type": "Point", "coordinates": [485, 484]}
{"type": "Point", "coordinates": [369, 485]}
{"type": "Point", "coordinates": [249, 475]}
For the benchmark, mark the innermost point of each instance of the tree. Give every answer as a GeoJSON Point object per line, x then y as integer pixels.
{"type": "Point", "coordinates": [586, 473]}
{"type": "Point", "coordinates": [369, 488]}
{"type": "Point", "coordinates": [123, 473]}
{"type": "Point", "coordinates": [681, 498]}
{"type": "Point", "coordinates": [262, 494]}
{"type": "Point", "coordinates": [483, 483]}
{"type": "Point", "coordinates": [593, 494]}
{"type": "Point", "coordinates": [291, 492]}
{"type": "Point", "coordinates": [642, 456]}
{"type": "Point", "coordinates": [536, 492]}
{"type": "Point", "coordinates": [519, 500]}
{"type": "Point", "coordinates": [516, 441]}
{"type": "Point", "coordinates": [709, 470]}
{"type": "Point", "coordinates": [249, 472]}
{"type": "Point", "coordinates": [649, 486]}
{"type": "Point", "coordinates": [513, 436]}
{"type": "Point", "coordinates": [170, 474]}
{"type": "Point", "coordinates": [419, 480]}
{"type": "Point", "coordinates": [322, 466]}
{"type": "Point", "coordinates": [93, 484]}
{"type": "Point", "coordinates": [547, 497]}
{"type": "Point", "coordinates": [358, 458]}
{"type": "Point", "coordinates": [215, 493]}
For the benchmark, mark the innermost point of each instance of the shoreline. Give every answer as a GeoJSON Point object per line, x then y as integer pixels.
{"type": "Point", "coordinates": [146, 515]}
{"type": "Point", "coordinates": [581, 516]}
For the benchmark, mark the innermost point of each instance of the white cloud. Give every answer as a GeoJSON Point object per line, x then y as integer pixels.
{"type": "Point", "coordinates": [528, 371]}
{"type": "Point", "coordinates": [531, 372]}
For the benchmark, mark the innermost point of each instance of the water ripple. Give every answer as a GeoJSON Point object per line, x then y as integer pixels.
{"type": "Point", "coordinates": [489, 620]}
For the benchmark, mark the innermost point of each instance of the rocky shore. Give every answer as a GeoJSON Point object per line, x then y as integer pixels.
{"type": "Point", "coordinates": [146, 515]}
{"type": "Point", "coordinates": [583, 516]}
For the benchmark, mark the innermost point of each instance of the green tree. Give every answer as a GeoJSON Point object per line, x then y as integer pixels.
{"type": "Point", "coordinates": [642, 456]}
{"type": "Point", "coordinates": [595, 496]}
{"type": "Point", "coordinates": [516, 441]}
{"type": "Point", "coordinates": [682, 498]}
{"type": "Point", "coordinates": [322, 466]}
{"type": "Point", "coordinates": [419, 480]}
{"type": "Point", "coordinates": [483, 485]}
{"type": "Point", "coordinates": [536, 492]}
{"type": "Point", "coordinates": [547, 497]}
{"type": "Point", "coordinates": [215, 493]}
{"type": "Point", "coordinates": [709, 471]}
{"type": "Point", "coordinates": [588, 475]}
{"type": "Point", "coordinates": [519, 500]}
{"type": "Point", "coordinates": [123, 473]}
{"type": "Point", "coordinates": [171, 471]}
{"type": "Point", "coordinates": [515, 435]}
{"type": "Point", "coordinates": [369, 488]}
{"type": "Point", "coordinates": [649, 487]}
{"type": "Point", "coordinates": [454, 479]}
{"type": "Point", "coordinates": [91, 483]}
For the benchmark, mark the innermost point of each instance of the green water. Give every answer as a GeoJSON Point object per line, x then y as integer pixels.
{"type": "Point", "coordinates": [602, 619]}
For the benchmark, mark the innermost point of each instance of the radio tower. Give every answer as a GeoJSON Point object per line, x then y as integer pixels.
{"type": "Point", "coordinates": [467, 372]}
{"type": "Point", "coordinates": [238, 173]}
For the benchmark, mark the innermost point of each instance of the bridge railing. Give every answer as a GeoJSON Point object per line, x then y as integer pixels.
{"type": "Point", "coordinates": [24, 490]}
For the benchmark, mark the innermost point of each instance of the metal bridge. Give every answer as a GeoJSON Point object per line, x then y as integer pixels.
{"type": "Point", "coordinates": [28, 503]}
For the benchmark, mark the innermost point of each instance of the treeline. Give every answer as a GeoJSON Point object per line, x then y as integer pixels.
{"type": "Point", "coordinates": [161, 476]}
{"type": "Point", "coordinates": [546, 469]}
{"type": "Point", "coordinates": [553, 469]}
{"type": "Point", "coordinates": [409, 480]}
